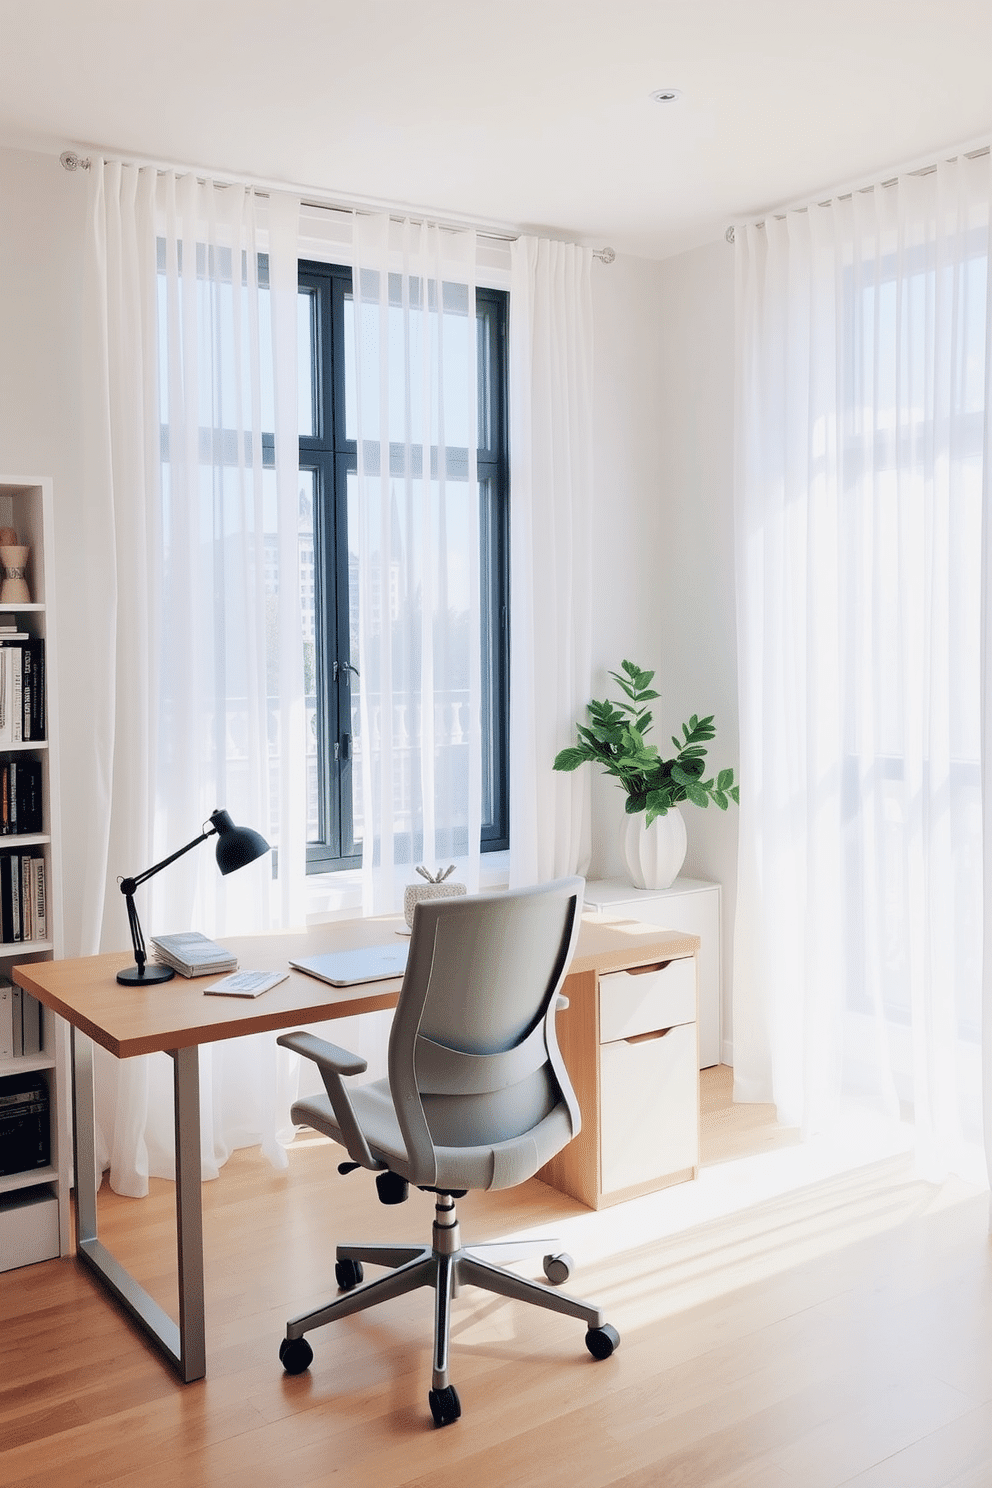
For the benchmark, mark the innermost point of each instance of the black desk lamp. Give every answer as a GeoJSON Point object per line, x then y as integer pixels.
{"type": "Point", "coordinates": [236, 848]}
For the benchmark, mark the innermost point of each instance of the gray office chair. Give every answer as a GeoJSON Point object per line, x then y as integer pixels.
{"type": "Point", "coordinates": [477, 1097]}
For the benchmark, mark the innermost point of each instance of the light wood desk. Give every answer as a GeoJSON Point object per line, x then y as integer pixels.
{"type": "Point", "coordinates": [176, 1017]}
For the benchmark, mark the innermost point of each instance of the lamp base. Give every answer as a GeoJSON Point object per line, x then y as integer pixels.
{"type": "Point", "coordinates": [153, 972]}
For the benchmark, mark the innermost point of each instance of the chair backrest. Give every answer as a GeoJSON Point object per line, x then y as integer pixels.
{"type": "Point", "coordinates": [473, 1057]}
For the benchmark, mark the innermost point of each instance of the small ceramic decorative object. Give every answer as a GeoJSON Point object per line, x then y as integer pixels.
{"type": "Point", "coordinates": [434, 888]}
{"type": "Point", "coordinates": [14, 589]}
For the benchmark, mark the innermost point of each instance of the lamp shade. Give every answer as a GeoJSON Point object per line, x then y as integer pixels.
{"type": "Point", "coordinates": [236, 846]}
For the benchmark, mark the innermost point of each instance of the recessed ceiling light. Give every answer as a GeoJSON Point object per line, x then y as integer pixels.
{"type": "Point", "coordinates": [666, 95]}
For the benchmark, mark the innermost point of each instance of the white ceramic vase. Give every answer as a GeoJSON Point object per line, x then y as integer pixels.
{"type": "Point", "coordinates": [654, 854]}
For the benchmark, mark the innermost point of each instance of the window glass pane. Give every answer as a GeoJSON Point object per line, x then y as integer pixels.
{"type": "Point", "coordinates": [395, 601]}
{"type": "Point", "coordinates": [435, 348]}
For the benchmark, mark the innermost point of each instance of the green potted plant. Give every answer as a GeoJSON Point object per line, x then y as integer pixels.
{"type": "Point", "coordinates": [614, 738]}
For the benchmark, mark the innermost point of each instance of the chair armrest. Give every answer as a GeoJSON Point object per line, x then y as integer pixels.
{"type": "Point", "coordinates": [323, 1053]}
{"type": "Point", "coordinates": [333, 1063]}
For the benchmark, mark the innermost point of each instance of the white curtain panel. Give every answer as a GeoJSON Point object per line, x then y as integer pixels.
{"type": "Point", "coordinates": [862, 416]}
{"type": "Point", "coordinates": [551, 601]}
{"type": "Point", "coordinates": [192, 486]}
{"type": "Point", "coordinates": [413, 535]}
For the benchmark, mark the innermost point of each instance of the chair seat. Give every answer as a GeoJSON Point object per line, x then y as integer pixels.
{"type": "Point", "coordinates": [484, 1165]}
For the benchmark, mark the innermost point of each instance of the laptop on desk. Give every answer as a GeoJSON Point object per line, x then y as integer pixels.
{"type": "Point", "coordinates": [348, 968]}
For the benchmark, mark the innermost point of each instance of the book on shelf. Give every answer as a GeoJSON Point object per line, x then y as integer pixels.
{"type": "Point", "coordinates": [6, 1021]}
{"type": "Point", "coordinates": [25, 1140]}
{"type": "Point", "coordinates": [20, 1023]}
{"type": "Point", "coordinates": [191, 954]}
{"type": "Point", "coordinates": [22, 690]}
{"type": "Point", "coordinates": [20, 796]}
{"type": "Point", "coordinates": [28, 1030]}
{"type": "Point", "coordinates": [23, 898]}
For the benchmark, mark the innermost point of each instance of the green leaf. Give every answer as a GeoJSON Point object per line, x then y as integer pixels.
{"type": "Point", "coordinates": [721, 800]}
{"type": "Point", "coordinates": [570, 759]}
{"type": "Point", "coordinates": [735, 794]}
{"type": "Point", "coordinates": [725, 780]}
{"type": "Point", "coordinates": [635, 803]}
{"type": "Point", "coordinates": [697, 795]}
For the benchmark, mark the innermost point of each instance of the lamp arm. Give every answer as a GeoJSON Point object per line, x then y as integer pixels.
{"type": "Point", "coordinates": [137, 939]}
{"type": "Point", "coordinates": [129, 885]}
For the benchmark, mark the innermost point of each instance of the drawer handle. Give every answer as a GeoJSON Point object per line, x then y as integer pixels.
{"type": "Point", "coordinates": [644, 970]}
{"type": "Point", "coordinates": [647, 1038]}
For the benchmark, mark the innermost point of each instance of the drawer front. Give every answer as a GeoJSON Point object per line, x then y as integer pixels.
{"type": "Point", "coordinates": [633, 1002]}
{"type": "Point", "coordinates": [649, 1124]}
{"type": "Point", "coordinates": [29, 1227]}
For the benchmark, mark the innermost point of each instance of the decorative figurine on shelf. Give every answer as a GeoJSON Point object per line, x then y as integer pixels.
{"type": "Point", "coordinates": [14, 557]}
{"type": "Point", "coordinates": [434, 888]}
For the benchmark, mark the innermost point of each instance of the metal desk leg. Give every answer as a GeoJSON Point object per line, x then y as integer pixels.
{"type": "Point", "coordinates": [184, 1346]}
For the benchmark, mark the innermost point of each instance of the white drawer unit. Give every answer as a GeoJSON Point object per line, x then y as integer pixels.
{"type": "Point", "coordinates": [648, 1117]}
{"type": "Point", "coordinates": [647, 998]}
{"type": "Point", "coordinates": [30, 1227]}
{"type": "Point", "coordinates": [691, 905]}
{"type": "Point", "coordinates": [629, 1040]}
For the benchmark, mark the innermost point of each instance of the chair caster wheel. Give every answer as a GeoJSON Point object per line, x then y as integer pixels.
{"type": "Point", "coordinates": [445, 1405]}
{"type": "Point", "coordinates": [295, 1355]}
{"type": "Point", "coordinates": [601, 1342]}
{"type": "Point", "coordinates": [558, 1268]}
{"type": "Point", "coordinates": [348, 1274]}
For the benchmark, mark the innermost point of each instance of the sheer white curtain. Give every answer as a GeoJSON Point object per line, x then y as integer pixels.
{"type": "Point", "coordinates": [192, 483]}
{"type": "Point", "coordinates": [414, 546]}
{"type": "Point", "coordinates": [551, 600]}
{"type": "Point", "coordinates": [862, 415]}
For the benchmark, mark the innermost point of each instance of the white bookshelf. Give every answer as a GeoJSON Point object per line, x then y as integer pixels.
{"type": "Point", "coordinates": [34, 1205]}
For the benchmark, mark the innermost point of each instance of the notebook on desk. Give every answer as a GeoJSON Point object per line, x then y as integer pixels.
{"type": "Point", "coordinates": [346, 968]}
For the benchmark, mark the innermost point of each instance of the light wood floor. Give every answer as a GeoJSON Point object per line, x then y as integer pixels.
{"type": "Point", "coordinates": [836, 1334]}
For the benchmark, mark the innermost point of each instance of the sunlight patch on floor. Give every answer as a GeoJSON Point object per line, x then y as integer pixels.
{"type": "Point", "coordinates": [745, 1221]}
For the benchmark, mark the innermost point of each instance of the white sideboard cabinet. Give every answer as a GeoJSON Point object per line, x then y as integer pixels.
{"type": "Point", "coordinates": [691, 905]}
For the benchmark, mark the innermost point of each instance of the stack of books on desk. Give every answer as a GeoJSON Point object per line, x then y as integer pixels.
{"type": "Point", "coordinates": [193, 955]}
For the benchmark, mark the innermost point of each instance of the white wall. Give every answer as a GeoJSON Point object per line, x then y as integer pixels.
{"type": "Point", "coordinates": [664, 527]}
{"type": "Point", "coordinates": [42, 221]}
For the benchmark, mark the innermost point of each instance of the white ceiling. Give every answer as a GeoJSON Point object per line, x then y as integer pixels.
{"type": "Point", "coordinates": [529, 113]}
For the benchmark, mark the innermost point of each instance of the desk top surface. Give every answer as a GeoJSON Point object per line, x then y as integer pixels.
{"type": "Point", "coordinates": [177, 1014]}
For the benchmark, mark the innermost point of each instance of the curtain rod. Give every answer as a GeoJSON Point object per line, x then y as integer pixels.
{"type": "Point", "coordinates": [70, 161]}
{"type": "Point", "coordinates": [846, 195]}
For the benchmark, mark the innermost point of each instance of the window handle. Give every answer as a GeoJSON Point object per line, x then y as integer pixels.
{"type": "Point", "coordinates": [344, 666]}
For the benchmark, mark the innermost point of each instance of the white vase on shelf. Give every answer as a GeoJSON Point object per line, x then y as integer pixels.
{"type": "Point", "coordinates": [654, 854]}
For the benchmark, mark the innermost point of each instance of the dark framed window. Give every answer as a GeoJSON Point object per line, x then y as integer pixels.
{"type": "Point", "coordinates": [328, 457]}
